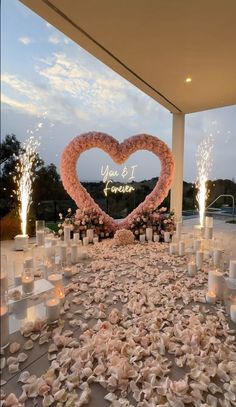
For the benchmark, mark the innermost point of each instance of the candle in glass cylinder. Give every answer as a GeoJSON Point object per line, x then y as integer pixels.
{"type": "Point", "coordinates": [27, 282]}
{"type": "Point", "coordinates": [4, 323]}
{"type": "Point", "coordinates": [178, 229]}
{"type": "Point", "coordinates": [85, 241]}
{"type": "Point", "coordinates": [28, 263]}
{"type": "Point", "coordinates": [89, 234]}
{"type": "Point", "coordinates": [166, 237]}
{"type": "Point", "coordinates": [208, 233]}
{"type": "Point", "coordinates": [53, 309]}
{"type": "Point", "coordinates": [17, 269]}
{"type": "Point", "coordinates": [62, 252]}
{"type": "Point", "coordinates": [156, 237]}
{"type": "Point", "coordinates": [142, 238]}
{"type": "Point", "coordinates": [192, 268]}
{"type": "Point", "coordinates": [210, 297]}
{"type": "Point", "coordinates": [40, 237]}
{"type": "Point", "coordinates": [68, 273]}
{"type": "Point", "coordinates": [209, 222]}
{"type": "Point", "coordinates": [55, 279]}
{"type": "Point", "coordinates": [149, 233]}
{"type": "Point", "coordinates": [76, 238]}
{"type": "Point", "coordinates": [216, 283]}
{"type": "Point", "coordinates": [199, 259]}
{"type": "Point", "coordinates": [67, 230]}
{"type": "Point", "coordinates": [233, 313]}
{"type": "Point", "coordinates": [173, 248]}
{"type": "Point", "coordinates": [181, 248]}
{"type": "Point", "coordinates": [74, 254]}
{"type": "Point", "coordinates": [197, 245]}
{"type": "Point", "coordinates": [232, 269]}
{"type": "Point", "coordinates": [217, 256]}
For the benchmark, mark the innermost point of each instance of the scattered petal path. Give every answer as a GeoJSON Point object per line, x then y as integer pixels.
{"type": "Point", "coordinates": [137, 325]}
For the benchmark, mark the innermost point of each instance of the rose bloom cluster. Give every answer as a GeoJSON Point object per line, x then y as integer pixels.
{"type": "Point", "coordinates": [123, 237]}
{"type": "Point", "coordinates": [90, 218]}
{"type": "Point", "coordinates": [158, 219]}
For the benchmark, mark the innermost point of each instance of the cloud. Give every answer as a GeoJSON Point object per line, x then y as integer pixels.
{"type": "Point", "coordinates": [54, 39]}
{"type": "Point", "coordinates": [26, 40]}
{"type": "Point", "coordinates": [28, 108]}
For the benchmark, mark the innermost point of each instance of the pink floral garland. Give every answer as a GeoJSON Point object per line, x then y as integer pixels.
{"type": "Point", "coordinates": [119, 152]}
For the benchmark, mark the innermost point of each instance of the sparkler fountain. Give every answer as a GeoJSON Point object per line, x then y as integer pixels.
{"type": "Point", "coordinates": [204, 165]}
{"type": "Point", "coordinates": [24, 180]}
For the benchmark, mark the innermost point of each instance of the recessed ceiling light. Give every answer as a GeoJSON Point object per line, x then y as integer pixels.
{"type": "Point", "coordinates": [188, 80]}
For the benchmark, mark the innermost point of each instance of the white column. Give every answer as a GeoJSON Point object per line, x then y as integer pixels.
{"type": "Point", "coordinates": [176, 200]}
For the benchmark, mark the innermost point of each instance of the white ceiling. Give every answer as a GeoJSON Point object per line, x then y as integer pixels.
{"type": "Point", "coordinates": [157, 44]}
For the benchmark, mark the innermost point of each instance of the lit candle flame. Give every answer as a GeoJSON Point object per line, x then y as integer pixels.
{"type": "Point", "coordinates": [24, 179]}
{"type": "Point", "coordinates": [204, 165]}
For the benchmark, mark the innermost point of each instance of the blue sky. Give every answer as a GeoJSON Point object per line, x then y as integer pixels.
{"type": "Point", "coordinates": [55, 89]}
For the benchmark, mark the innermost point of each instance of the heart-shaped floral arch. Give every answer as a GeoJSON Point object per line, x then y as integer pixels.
{"type": "Point", "coordinates": [119, 152]}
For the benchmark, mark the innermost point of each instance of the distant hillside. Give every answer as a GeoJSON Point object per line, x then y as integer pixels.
{"type": "Point", "coordinates": [118, 205]}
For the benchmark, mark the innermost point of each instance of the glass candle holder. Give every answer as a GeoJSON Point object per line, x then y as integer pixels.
{"type": "Point", "coordinates": [17, 271]}
{"type": "Point", "coordinates": [229, 293]}
{"type": "Point", "coordinates": [52, 305]}
{"type": "Point", "coordinates": [27, 281]}
{"type": "Point", "coordinates": [4, 316]}
{"type": "Point", "coordinates": [40, 225]}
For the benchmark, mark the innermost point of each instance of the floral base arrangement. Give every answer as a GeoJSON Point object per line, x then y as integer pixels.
{"type": "Point", "coordinates": [84, 219]}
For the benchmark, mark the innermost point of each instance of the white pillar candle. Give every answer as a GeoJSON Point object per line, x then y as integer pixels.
{"type": "Point", "coordinates": [216, 283]}
{"type": "Point", "coordinates": [27, 284]}
{"type": "Point", "coordinates": [210, 297]}
{"type": "Point", "coordinates": [142, 238]}
{"type": "Point", "coordinates": [29, 263]}
{"type": "Point", "coordinates": [209, 222]}
{"type": "Point", "coordinates": [55, 279]}
{"type": "Point", "coordinates": [208, 233]}
{"type": "Point", "coordinates": [68, 272]}
{"type": "Point", "coordinates": [156, 238]}
{"type": "Point", "coordinates": [173, 248]}
{"type": "Point", "coordinates": [21, 242]}
{"type": "Point", "coordinates": [192, 268]}
{"type": "Point", "coordinates": [233, 312]}
{"type": "Point", "coordinates": [62, 252]}
{"type": "Point", "coordinates": [53, 309]}
{"type": "Point", "coordinates": [181, 248]}
{"type": "Point", "coordinates": [149, 233]}
{"type": "Point", "coordinates": [89, 234]}
{"type": "Point", "coordinates": [217, 256]}
{"type": "Point", "coordinates": [85, 241]}
{"type": "Point", "coordinates": [40, 237]}
{"type": "Point", "coordinates": [67, 230]}
{"type": "Point", "coordinates": [199, 259]}
{"type": "Point", "coordinates": [197, 245]}
{"type": "Point", "coordinates": [4, 324]}
{"type": "Point", "coordinates": [74, 254]}
{"type": "Point", "coordinates": [76, 238]}
{"type": "Point", "coordinates": [166, 237]}
{"type": "Point", "coordinates": [95, 240]}
{"type": "Point", "coordinates": [232, 269]}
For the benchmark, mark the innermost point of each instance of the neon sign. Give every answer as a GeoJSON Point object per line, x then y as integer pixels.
{"type": "Point", "coordinates": [127, 173]}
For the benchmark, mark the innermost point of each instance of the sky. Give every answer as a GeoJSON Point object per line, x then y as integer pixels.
{"type": "Point", "coordinates": [54, 89]}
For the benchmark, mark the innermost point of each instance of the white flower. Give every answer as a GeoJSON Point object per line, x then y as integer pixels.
{"type": "Point", "coordinates": [60, 231]}
{"type": "Point", "coordinates": [60, 216]}
{"type": "Point", "coordinates": [69, 210]}
{"type": "Point", "coordinates": [59, 225]}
